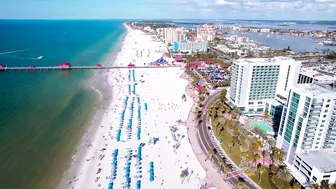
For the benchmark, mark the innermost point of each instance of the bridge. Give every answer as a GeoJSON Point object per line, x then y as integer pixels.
{"type": "Point", "coordinates": [30, 68]}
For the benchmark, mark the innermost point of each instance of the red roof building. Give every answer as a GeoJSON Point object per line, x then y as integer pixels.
{"type": "Point", "coordinates": [98, 65]}
{"type": "Point", "coordinates": [65, 65]}
{"type": "Point", "coordinates": [209, 61]}
{"type": "Point", "coordinates": [131, 65]}
{"type": "Point", "coordinates": [31, 66]}
{"type": "Point", "coordinates": [195, 64]}
{"type": "Point", "coordinates": [179, 59]}
{"type": "Point", "coordinates": [199, 88]}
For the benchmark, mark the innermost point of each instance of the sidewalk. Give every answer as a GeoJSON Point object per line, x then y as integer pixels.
{"type": "Point", "coordinates": [213, 178]}
{"type": "Point", "coordinates": [221, 151]}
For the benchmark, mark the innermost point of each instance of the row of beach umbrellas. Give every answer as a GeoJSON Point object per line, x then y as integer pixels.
{"type": "Point", "coordinates": [151, 171]}
{"type": "Point", "coordinates": [114, 168]}
{"type": "Point", "coordinates": [139, 120]}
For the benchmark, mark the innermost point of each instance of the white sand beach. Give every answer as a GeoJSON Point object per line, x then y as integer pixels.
{"type": "Point", "coordinates": [162, 140]}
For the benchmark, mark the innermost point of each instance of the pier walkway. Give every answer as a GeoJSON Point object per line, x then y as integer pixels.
{"type": "Point", "coordinates": [82, 67]}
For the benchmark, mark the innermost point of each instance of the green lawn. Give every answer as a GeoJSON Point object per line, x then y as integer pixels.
{"type": "Point", "coordinates": [235, 156]}
{"type": "Point", "coordinates": [235, 150]}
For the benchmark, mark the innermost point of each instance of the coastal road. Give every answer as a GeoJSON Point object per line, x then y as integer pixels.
{"type": "Point", "coordinates": [207, 143]}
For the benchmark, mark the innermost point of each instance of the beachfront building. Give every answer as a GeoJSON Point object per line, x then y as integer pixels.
{"type": "Point", "coordinates": [255, 80]}
{"type": "Point", "coordinates": [309, 75]}
{"type": "Point", "coordinates": [307, 133]}
{"type": "Point", "coordinates": [171, 35]}
{"type": "Point", "coordinates": [206, 32]}
{"type": "Point", "coordinates": [190, 46]}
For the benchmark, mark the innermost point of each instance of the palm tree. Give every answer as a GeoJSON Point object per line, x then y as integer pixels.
{"type": "Point", "coordinates": [230, 144]}
{"type": "Point", "coordinates": [221, 130]}
{"type": "Point", "coordinates": [325, 184]}
{"type": "Point", "coordinates": [315, 186]}
{"type": "Point", "coordinates": [285, 174]}
{"type": "Point", "coordinates": [261, 169]}
{"type": "Point", "coordinates": [240, 183]}
{"type": "Point", "coordinates": [333, 186]}
{"type": "Point", "coordinates": [227, 169]}
{"type": "Point", "coordinates": [212, 153]}
{"type": "Point", "coordinates": [265, 154]}
{"type": "Point", "coordinates": [220, 162]}
{"type": "Point", "coordinates": [296, 185]}
{"type": "Point", "coordinates": [256, 158]}
{"type": "Point", "coordinates": [278, 154]}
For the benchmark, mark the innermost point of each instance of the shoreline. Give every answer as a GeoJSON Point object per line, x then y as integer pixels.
{"type": "Point", "coordinates": [165, 109]}
{"type": "Point", "coordinates": [99, 110]}
{"type": "Point", "coordinates": [92, 166]}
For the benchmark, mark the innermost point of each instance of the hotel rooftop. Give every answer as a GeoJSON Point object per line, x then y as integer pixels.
{"type": "Point", "coordinates": [263, 60]}
{"type": "Point", "coordinates": [317, 90]}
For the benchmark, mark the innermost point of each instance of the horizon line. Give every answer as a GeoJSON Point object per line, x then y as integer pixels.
{"type": "Point", "coordinates": [165, 19]}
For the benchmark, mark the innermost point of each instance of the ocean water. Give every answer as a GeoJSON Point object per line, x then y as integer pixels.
{"type": "Point", "coordinates": [43, 114]}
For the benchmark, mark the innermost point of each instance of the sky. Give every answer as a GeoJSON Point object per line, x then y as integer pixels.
{"type": "Point", "coordinates": [169, 9]}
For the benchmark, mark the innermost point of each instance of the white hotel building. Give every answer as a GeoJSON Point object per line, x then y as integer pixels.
{"type": "Point", "coordinates": [256, 80]}
{"type": "Point", "coordinates": [307, 133]}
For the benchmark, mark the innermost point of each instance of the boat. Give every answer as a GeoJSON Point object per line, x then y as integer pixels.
{"type": "Point", "coordinates": [329, 43]}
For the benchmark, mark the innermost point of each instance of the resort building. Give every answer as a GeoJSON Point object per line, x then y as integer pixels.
{"type": "Point", "coordinates": [171, 35]}
{"type": "Point", "coordinates": [307, 133]}
{"type": "Point", "coordinates": [190, 46]}
{"type": "Point", "coordinates": [309, 75]}
{"type": "Point", "coordinates": [255, 80]}
{"type": "Point", "coordinates": [206, 32]}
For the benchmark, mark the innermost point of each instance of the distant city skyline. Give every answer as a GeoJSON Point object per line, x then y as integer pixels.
{"type": "Point", "coordinates": [170, 9]}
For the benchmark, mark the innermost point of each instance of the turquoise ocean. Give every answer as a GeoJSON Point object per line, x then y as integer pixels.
{"type": "Point", "coordinates": [44, 114]}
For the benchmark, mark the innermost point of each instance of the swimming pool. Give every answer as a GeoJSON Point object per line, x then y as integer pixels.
{"type": "Point", "coordinates": [262, 126]}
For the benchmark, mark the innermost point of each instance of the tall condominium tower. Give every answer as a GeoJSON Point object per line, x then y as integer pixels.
{"type": "Point", "coordinates": [308, 132]}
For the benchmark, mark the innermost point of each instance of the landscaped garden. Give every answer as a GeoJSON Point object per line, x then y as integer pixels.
{"type": "Point", "coordinates": [246, 149]}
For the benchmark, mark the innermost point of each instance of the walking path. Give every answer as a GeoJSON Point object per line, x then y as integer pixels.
{"type": "Point", "coordinates": [213, 178]}
{"type": "Point", "coordinates": [211, 167]}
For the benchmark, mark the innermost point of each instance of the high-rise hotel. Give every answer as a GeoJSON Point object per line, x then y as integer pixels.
{"type": "Point", "coordinates": [308, 133]}
{"type": "Point", "coordinates": [255, 80]}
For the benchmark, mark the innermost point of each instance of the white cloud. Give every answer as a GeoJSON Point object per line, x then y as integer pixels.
{"type": "Point", "coordinates": [325, 1]}
{"type": "Point", "coordinates": [223, 2]}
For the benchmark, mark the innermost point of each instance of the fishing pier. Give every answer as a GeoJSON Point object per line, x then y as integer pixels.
{"type": "Point", "coordinates": [42, 68]}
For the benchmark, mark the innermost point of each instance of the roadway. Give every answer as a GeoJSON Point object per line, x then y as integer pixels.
{"type": "Point", "coordinates": [208, 144]}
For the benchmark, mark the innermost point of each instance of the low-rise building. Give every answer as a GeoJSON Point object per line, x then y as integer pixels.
{"type": "Point", "coordinates": [309, 75]}
{"type": "Point", "coordinates": [316, 166]}
{"type": "Point", "coordinates": [191, 46]}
